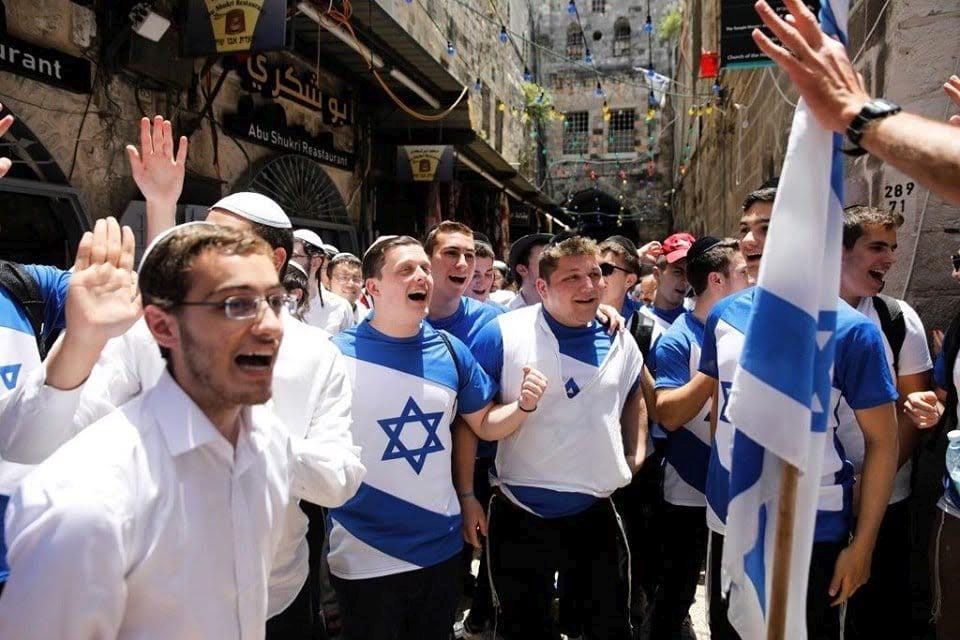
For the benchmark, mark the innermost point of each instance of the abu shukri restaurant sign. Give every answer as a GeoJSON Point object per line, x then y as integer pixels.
{"type": "Point", "coordinates": [226, 26]}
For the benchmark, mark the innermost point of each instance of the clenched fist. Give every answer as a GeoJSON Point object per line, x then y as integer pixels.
{"type": "Point", "coordinates": [534, 384]}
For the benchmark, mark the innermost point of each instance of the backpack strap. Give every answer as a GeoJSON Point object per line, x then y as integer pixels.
{"type": "Point", "coordinates": [24, 289]}
{"type": "Point", "coordinates": [641, 329]}
{"type": "Point", "coordinates": [456, 364]}
{"type": "Point", "coordinates": [892, 323]}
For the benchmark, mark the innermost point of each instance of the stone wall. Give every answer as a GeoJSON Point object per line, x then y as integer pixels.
{"type": "Point", "coordinates": [628, 177]}
{"type": "Point", "coordinates": [910, 50]}
{"type": "Point", "coordinates": [110, 121]}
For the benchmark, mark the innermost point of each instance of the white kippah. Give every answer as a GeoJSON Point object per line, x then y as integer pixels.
{"type": "Point", "coordinates": [255, 207]}
{"type": "Point", "coordinates": [310, 237]}
{"type": "Point", "coordinates": [500, 264]}
{"type": "Point", "coordinates": [378, 241]}
{"type": "Point", "coordinates": [166, 234]}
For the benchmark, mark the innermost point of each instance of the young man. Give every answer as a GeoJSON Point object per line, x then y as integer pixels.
{"type": "Point", "coordinates": [524, 260]}
{"type": "Point", "coordinates": [452, 252]}
{"type": "Point", "coordinates": [715, 269]}
{"type": "Point", "coordinates": [862, 378]}
{"type": "Point", "coordinates": [328, 311]}
{"type": "Point", "coordinates": [754, 223]}
{"type": "Point", "coordinates": [311, 392]}
{"type": "Point", "coordinates": [395, 547]}
{"type": "Point", "coordinates": [648, 289]}
{"type": "Point", "coordinates": [583, 440]}
{"type": "Point", "coordinates": [483, 273]}
{"type": "Point", "coordinates": [164, 511]}
{"type": "Point", "coordinates": [347, 282]}
{"type": "Point", "coordinates": [869, 251]}
{"type": "Point", "coordinates": [671, 277]}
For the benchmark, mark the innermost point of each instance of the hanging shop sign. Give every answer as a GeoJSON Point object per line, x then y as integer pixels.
{"type": "Point", "coordinates": [738, 19]}
{"type": "Point", "coordinates": [267, 127]}
{"type": "Point", "coordinates": [425, 163]}
{"type": "Point", "coordinates": [45, 65]}
{"type": "Point", "coordinates": [284, 80]}
{"type": "Point", "coordinates": [225, 26]}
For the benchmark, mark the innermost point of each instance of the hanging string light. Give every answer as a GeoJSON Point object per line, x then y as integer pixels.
{"type": "Point", "coordinates": [648, 25]}
{"type": "Point", "coordinates": [503, 35]}
{"type": "Point", "coordinates": [451, 50]}
{"type": "Point", "coordinates": [599, 90]}
{"type": "Point", "coordinates": [527, 77]}
{"type": "Point", "coordinates": [571, 8]}
{"type": "Point", "coordinates": [477, 86]}
{"type": "Point", "coordinates": [588, 57]}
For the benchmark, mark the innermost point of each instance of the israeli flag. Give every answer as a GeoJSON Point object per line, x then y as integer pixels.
{"type": "Point", "coordinates": [781, 390]}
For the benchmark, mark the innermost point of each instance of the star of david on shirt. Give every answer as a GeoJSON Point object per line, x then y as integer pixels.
{"type": "Point", "coordinates": [725, 387]}
{"type": "Point", "coordinates": [822, 366]}
{"type": "Point", "coordinates": [571, 388]}
{"type": "Point", "coordinates": [393, 427]}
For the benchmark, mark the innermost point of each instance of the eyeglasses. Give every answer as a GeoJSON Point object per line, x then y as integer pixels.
{"type": "Point", "coordinates": [956, 262]}
{"type": "Point", "coordinates": [344, 279]}
{"type": "Point", "coordinates": [246, 307]}
{"type": "Point", "coordinates": [607, 269]}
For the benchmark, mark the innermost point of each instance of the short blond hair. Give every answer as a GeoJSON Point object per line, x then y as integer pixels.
{"type": "Point", "coordinates": [575, 246]}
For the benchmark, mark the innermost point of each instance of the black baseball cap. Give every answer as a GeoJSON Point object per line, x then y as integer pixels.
{"type": "Point", "coordinates": [701, 246]}
{"type": "Point", "coordinates": [523, 244]}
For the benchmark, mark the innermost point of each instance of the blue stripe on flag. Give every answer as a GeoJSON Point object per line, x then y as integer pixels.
{"type": "Point", "coordinates": [690, 457]}
{"type": "Point", "coordinates": [828, 23]}
{"type": "Point", "coordinates": [749, 464]}
{"type": "Point", "coordinates": [781, 345]}
{"type": "Point", "coordinates": [755, 561]}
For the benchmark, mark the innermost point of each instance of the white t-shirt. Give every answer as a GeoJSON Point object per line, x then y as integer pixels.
{"type": "Point", "coordinates": [502, 296]}
{"type": "Point", "coordinates": [914, 358]}
{"type": "Point", "coordinates": [330, 312]}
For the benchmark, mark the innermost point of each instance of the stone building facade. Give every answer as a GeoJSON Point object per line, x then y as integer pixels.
{"type": "Point", "coordinates": [905, 51]}
{"type": "Point", "coordinates": [614, 161]}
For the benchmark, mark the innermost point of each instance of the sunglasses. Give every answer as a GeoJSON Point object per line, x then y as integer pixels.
{"type": "Point", "coordinates": [607, 269]}
{"type": "Point", "coordinates": [956, 262]}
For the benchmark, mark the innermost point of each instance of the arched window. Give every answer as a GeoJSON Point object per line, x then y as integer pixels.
{"type": "Point", "coordinates": [621, 37]}
{"type": "Point", "coordinates": [575, 44]}
{"type": "Point", "coordinates": [599, 6]}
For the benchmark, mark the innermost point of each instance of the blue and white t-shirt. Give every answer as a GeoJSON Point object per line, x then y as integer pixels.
{"type": "Point", "coordinates": [687, 452]}
{"type": "Point", "coordinates": [464, 324]}
{"type": "Point", "coordinates": [860, 376]}
{"type": "Point", "coordinates": [467, 320]}
{"type": "Point", "coordinates": [19, 356]}
{"type": "Point", "coordinates": [582, 353]}
{"type": "Point", "coordinates": [406, 392]}
{"type": "Point", "coordinates": [662, 319]}
{"type": "Point", "coordinates": [943, 372]}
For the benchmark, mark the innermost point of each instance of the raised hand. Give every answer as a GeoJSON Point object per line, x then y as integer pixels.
{"type": "Point", "coordinates": [650, 252]}
{"type": "Point", "coordinates": [103, 301]}
{"type": "Point", "coordinates": [952, 88]}
{"type": "Point", "coordinates": [5, 125]}
{"type": "Point", "coordinates": [157, 172]}
{"type": "Point", "coordinates": [532, 388]}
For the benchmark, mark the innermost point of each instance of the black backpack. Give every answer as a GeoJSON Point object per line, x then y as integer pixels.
{"type": "Point", "coordinates": [20, 284]}
{"type": "Point", "coordinates": [642, 331]}
{"type": "Point", "coordinates": [892, 324]}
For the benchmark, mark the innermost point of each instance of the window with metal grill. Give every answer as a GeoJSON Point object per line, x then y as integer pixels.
{"type": "Point", "coordinates": [621, 37]}
{"type": "Point", "coordinates": [620, 139]}
{"type": "Point", "coordinates": [575, 132]}
{"type": "Point", "coordinates": [599, 6]}
{"type": "Point", "coordinates": [575, 45]}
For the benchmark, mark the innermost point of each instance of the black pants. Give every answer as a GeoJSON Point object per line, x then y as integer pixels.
{"type": "Point", "coordinates": [302, 619]}
{"type": "Point", "coordinates": [823, 621]}
{"type": "Point", "coordinates": [482, 604]}
{"type": "Point", "coordinates": [526, 551]}
{"type": "Point", "coordinates": [414, 605]}
{"type": "Point", "coordinates": [684, 546]}
{"type": "Point", "coordinates": [888, 589]}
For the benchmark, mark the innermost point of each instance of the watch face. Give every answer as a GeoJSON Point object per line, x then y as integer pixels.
{"type": "Point", "coordinates": [879, 106]}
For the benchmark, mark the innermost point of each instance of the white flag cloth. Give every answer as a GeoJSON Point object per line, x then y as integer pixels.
{"type": "Point", "coordinates": [781, 390]}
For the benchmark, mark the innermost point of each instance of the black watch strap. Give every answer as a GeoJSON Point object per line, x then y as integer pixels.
{"type": "Point", "coordinates": [874, 110]}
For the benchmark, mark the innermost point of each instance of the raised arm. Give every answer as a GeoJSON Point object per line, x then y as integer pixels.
{"type": "Point", "coordinates": [158, 173]}
{"type": "Point", "coordinates": [819, 67]}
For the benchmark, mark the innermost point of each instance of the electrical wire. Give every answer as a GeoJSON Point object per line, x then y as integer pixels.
{"type": "Point", "coordinates": [876, 23]}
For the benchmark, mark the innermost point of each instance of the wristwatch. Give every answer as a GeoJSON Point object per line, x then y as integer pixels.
{"type": "Point", "coordinates": [874, 110]}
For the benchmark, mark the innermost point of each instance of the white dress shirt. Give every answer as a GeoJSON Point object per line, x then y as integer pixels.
{"type": "Point", "coordinates": [149, 524]}
{"type": "Point", "coordinates": [311, 396]}
{"type": "Point", "coordinates": [330, 312]}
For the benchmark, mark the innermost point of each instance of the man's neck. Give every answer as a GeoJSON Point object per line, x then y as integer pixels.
{"type": "Point", "coordinates": [529, 295]}
{"type": "Point", "coordinates": [395, 328]}
{"type": "Point", "coordinates": [443, 307]}
{"type": "Point", "coordinates": [851, 299]}
{"type": "Point", "coordinates": [225, 418]}
{"type": "Point", "coordinates": [617, 303]}
{"type": "Point", "coordinates": [570, 323]}
{"type": "Point", "coordinates": [704, 304]}
{"type": "Point", "coordinates": [663, 305]}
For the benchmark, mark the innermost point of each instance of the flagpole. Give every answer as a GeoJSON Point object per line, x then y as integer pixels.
{"type": "Point", "coordinates": [786, 511]}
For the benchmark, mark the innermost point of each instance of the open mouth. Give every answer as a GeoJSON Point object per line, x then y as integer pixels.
{"type": "Point", "coordinates": [418, 296]}
{"type": "Point", "coordinates": [254, 361]}
{"type": "Point", "coordinates": [459, 280]}
{"type": "Point", "coordinates": [479, 293]}
{"type": "Point", "coordinates": [586, 301]}
{"type": "Point", "coordinates": [754, 257]}
{"type": "Point", "coordinates": [878, 276]}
